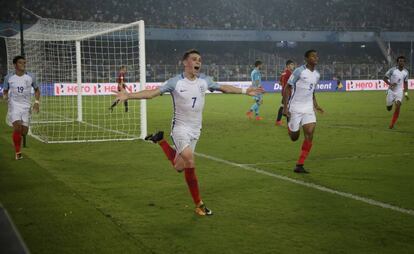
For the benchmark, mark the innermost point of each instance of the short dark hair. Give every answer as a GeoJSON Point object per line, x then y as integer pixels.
{"type": "Point", "coordinates": [289, 62]}
{"type": "Point", "coordinates": [400, 57]}
{"type": "Point", "coordinates": [307, 53]}
{"type": "Point", "coordinates": [257, 63]}
{"type": "Point", "coordinates": [189, 52]}
{"type": "Point", "coordinates": [17, 58]}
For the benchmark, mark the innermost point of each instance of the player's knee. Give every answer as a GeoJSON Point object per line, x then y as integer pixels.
{"type": "Point", "coordinates": [294, 136]}
{"type": "Point", "coordinates": [189, 163]}
{"type": "Point", "coordinates": [25, 130]}
{"type": "Point", "coordinates": [309, 136]}
{"type": "Point", "coordinates": [179, 166]}
{"type": "Point", "coordinates": [18, 128]}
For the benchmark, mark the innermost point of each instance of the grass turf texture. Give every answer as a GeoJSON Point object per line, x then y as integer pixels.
{"type": "Point", "coordinates": [124, 197]}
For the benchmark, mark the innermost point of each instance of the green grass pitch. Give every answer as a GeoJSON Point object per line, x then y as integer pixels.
{"type": "Point", "coordinates": [124, 197]}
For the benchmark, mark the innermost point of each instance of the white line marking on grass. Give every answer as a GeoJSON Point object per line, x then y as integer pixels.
{"type": "Point", "coordinates": [312, 185]}
{"type": "Point", "coordinates": [332, 159]}
{"type": "Point", "coordinates": [368, 128]}
{"type": "Point", "coordinates": [110, 130]}
{"type": "Point", "coordinates": [128, 136]}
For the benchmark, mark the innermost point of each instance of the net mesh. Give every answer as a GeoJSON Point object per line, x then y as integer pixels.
{"type": "Point", "coordinates": [76, 65]}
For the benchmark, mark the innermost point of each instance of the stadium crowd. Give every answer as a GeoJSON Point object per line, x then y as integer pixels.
{"type": "Point", "coordinates": [230, 61]}
{"type": "Point", "coordinates": [337, 15]}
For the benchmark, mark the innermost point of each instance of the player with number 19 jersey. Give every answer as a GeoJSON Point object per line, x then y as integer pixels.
{"type": "Point", "coordinates": [20, 90]}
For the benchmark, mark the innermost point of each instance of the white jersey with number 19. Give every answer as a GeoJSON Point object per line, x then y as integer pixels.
{"type": "Point", "coordinates": [20, 90]}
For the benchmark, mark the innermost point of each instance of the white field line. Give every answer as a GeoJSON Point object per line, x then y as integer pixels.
{"type": "Point", "coordinates": [333, 159]}
{"type": "Point", "coordinates": [66, 119]}
{"type": "Point", "coordinates": [110, 130]}
{"type": "Point", "coordinates": [312, 185]}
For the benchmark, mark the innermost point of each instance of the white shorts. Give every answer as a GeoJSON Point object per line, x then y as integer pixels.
{"type": "Point", "coordinates": [18, 114]}
{"type": "Point", "coordinates": [394, 97]}
{"type": "Point", "coordinates": [183, 138]}
{"type": "Point", "coordinates": [297, 120]}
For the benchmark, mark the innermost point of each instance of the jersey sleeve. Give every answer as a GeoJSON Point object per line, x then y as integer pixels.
{"type": "Point", "coordinates": [211, 85]}
{"type": "Point", "coordinates": [6, 85]}
{"type": "Point", "coordinates": [406, 77]}
{"type": "Point", "coordinates": [168, 85]}
{"type": "Point", "coordinates": [34, 83]}
{"type": "Point", "coordinates": [388, 74]}
{"type": "Point", "coordinates": [294, 77]}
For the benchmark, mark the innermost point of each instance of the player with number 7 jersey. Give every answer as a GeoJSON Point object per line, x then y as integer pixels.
{"type": "Point", "coordinates": [188, 92]}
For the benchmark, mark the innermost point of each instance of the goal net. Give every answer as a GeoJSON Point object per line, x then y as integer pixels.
{"type": "Point", "coordinates": [76, 66]}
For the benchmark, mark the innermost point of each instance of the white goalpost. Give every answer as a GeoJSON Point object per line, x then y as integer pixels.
{"type": "Point", "coordinates": [76, 65]}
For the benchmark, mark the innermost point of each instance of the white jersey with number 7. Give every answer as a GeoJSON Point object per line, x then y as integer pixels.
{"type": "Point", "coordinates": [188, 99]}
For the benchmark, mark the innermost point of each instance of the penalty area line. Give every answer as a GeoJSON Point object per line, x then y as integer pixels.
{"type": "Point", "coordinates": [312, 185]}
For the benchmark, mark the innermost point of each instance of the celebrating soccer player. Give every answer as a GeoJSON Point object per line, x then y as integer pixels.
{"type": "Point", "coordinates": [258, 99]}
{"type": "Point", "coordinates": [302, 105]}
{"type": "Point", "coordinates": [188, 91]}
{"type": "Point", "coordinates": [290, 66]}
{"type": "Point", "coordinates": [121, 87]}
{"type": "Point", "coordinates": [17, 91]}
{"type": "Point", "coordinates": [397, 80]}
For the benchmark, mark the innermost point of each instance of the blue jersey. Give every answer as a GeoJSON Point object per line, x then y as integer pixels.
{"type": "Point", "coordinates": [256, 78]}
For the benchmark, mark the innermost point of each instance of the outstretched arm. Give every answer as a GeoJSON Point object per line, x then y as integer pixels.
{"type": "Point", "coordinates": [145, 94]}
{"type": "Point", "coordinates": [252, 91]}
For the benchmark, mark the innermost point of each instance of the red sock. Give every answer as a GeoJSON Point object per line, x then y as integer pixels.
{"type": "Point", "coordinates": [168, 150]}
{"type": "Point", "coordinates": [395, 116]}
{"type": "Point", "coordinates": [191, 179]}
{"type": "Point", "coordinates": [17, 141]}
{"type": "Point", "coordinates": [306, 147]}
